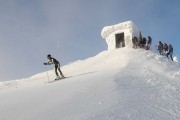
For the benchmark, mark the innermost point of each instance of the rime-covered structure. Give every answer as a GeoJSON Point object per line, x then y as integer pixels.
{"type": "Point", "coordinates": [120, 35]}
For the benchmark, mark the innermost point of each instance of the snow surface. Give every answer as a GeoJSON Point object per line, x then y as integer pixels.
{"type": "Point", "coordinates": [123, 84]}
{"type": "Point", "coordinates": [175, 59]}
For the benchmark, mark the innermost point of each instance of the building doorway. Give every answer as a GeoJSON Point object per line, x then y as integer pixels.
{"type": "Point", "coordinates": [120, 40]}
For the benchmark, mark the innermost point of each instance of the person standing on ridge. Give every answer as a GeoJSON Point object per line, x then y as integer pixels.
{"type": "Point", "coordinates": [149, 41]}
{"type": "Point", "coordinates": [170, 51]}
{"type": "Point", "coordinates": [165, 49]}
{"type": "Point", "coordinates": [134, 41]}
{"type": "Point", "coordinates": [144, 42]}
{"type": "Point", "coordinates": [160, 48]}
{"type": "Point", "coordinates": [57, 66]}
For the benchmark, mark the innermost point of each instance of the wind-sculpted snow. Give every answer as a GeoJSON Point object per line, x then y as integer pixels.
{"type": "Point", "coordinates": [124, 84]}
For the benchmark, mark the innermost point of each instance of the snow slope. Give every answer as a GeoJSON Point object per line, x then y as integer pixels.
{"type": "Point", "coordinates": [123, 84]}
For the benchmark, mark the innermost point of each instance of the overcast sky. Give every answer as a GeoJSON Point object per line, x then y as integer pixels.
{"type": "Point", "coordinates": [70, 29]}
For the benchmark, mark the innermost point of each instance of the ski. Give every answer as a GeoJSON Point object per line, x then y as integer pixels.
{"type": "Point", "coordinates": [57, 79]}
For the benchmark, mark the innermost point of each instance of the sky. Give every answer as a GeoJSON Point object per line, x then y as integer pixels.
{"type": "Point", "coordinates": [70, 30]}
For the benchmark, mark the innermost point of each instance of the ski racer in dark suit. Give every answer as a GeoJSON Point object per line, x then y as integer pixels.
{"type": "Point", "coordinates": [57, 66]}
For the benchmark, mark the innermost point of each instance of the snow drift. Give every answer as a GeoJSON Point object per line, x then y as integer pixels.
{"type": "Point", "coordinates": [123, 84]}
{"type": "Point", "coordinates": [175, 59]}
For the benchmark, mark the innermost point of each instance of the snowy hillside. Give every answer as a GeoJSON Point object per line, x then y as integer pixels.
{"type": "Point", "coordinates": [123, 84]}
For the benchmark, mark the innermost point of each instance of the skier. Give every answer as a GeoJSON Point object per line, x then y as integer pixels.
{"type": "Point", "coordinates": [160, 48]}
{"type": "Point", "coordinates": [170, 51]}
{"type": "Point", "coordinates": [57, 66]}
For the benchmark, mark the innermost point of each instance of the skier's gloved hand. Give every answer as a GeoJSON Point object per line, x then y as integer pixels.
{"type": "Point", "coordinates": [45, 63]}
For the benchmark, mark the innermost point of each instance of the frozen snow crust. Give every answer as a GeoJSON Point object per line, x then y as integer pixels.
{"type": "Point", "coordinates": [123, 84]}
{"type": "Point", "coordinates": [120, 26]}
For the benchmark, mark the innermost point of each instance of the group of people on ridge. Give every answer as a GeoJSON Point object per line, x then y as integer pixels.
{"type": "Point", "coordinates": [142, 42]}
{"type": "Point", "coordinates": [165, 49]}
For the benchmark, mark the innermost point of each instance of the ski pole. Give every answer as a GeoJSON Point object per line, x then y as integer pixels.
{"type": "Point", "coordinates": [47, 74]}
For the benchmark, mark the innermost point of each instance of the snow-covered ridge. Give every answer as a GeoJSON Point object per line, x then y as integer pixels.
{"type": "Point", "coordinates": [104, 61]}
{"type": "Point", "coordinates": [122, 84]}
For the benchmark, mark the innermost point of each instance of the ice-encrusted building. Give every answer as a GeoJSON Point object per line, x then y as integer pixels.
{"type": "Point", "coordinates": [120, 35]}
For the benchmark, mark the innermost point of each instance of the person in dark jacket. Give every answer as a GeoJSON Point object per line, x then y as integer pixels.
{"type": "Point", "coordinates": [135, 41]}
{"type": "Point", "coordinates": [144, 42]}
{"type": "Point", "coordinates": [52, 60]}
{"type": "Point", "coordinates": [141, 43]}
{"type": "Point", "coordinates": [165, 49]}
{"type": "Point", "coordinates": [160, 48]}
{"type": "Point", "coordinates": [170, 51]}
{"type": "Point", "coordinates": [149, 41]}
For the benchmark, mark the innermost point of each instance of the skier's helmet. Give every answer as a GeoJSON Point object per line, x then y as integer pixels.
{"type": "Point", "coordinates": [48, 56]}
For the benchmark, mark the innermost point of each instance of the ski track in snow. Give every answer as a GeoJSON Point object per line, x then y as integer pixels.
{"type": "Point", "coordinates": [168, 111]}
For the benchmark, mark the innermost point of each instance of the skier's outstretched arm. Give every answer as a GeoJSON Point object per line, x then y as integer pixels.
{"type": "Point", "coordinates": [48, 63]}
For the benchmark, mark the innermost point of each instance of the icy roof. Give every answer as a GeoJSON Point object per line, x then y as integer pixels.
{"type": "Point", "coordinates": [109, 29]}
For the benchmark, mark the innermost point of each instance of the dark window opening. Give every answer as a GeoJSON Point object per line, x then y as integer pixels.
{"type": "Point", "coordinates": [120, 40]}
